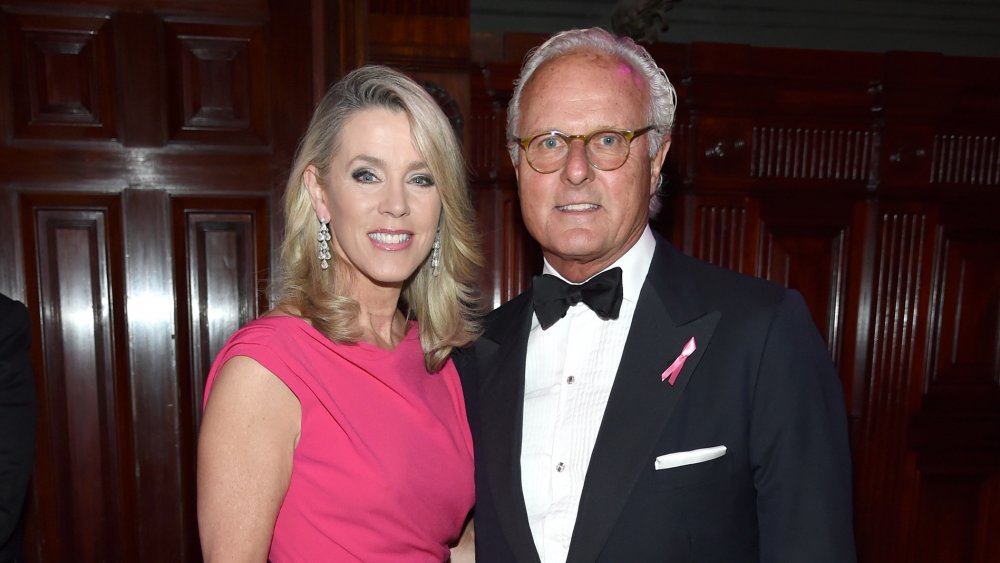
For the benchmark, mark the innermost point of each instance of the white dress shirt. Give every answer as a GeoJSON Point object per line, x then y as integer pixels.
{"type": "Point", "coordinates": [568, 374]}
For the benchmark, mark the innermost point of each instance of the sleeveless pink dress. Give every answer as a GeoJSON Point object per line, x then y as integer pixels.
{"type": "Point", "coordinates": [383, 470]}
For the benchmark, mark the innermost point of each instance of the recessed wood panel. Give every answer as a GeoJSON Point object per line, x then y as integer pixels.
{"type": "Point", "coordinates": [62, 75]}
{"type": "Point", "coordinates": [811, 257]}
{"type": "Point", "coordinates": [218, 83]}
{"type": "Point", "coordinates": [965, 340]}
{"type": "Point", "coordinates": [83, 388]}
{"type": "Point", "coordinates": [221, 248]}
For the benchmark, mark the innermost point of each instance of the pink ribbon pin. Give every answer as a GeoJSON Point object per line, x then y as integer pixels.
{"type": "Point", "coordinates": [675, 368]}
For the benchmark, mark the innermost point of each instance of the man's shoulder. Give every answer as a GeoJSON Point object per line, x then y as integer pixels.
{"type": "Point", "coordinates": [505, 316]}
{"type": "Point", "coordinates": [713, 286]}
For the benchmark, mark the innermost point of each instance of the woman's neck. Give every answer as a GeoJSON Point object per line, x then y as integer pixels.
{"type": "Point", "coordinates": [381, 322]}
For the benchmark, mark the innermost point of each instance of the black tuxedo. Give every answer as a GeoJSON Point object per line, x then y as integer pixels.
{"type": "Point", "coordinates": [760, 383]}
{"type": "Point", "coordinates": [17, 422]}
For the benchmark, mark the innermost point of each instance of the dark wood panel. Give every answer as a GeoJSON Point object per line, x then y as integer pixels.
{"type": "Point", "coordinates": [955, 434]}
{"type": "Point", "coordinates": [812, 153]}
{"type": "Point", "coordinates": [152, 341]}
{"type": "Point", "coordinates": [419, 7]}
{"type": "Point", "coordinates": [965, 336]}
{"type": "Point", "coordinates": [804, 245]}
{"type": "Point", "coordinates": [11, 283]}
{"type": "Point", "coordinates": [512, 256]}
{"type": "Point", "coordinates": [82, 502]}
{"type": "Point", "coordinates": [62, 76]}
{"type": "Point", "coordinates": [108, 168]}
{"type": "Point", "coordinates": [946, 527]}
{"type": "Point", "coordinates": [722, 230]}
{"type": "Point", "coordinates": [139, 51]}
{"type": "Point", "coordinates": [220, 266]}
{"type": "Point", "coordinates": [218, 78]}
{"type": "Point", "coordinates": [965, 159]}
{"type": "Point", "coordinates": [221, 248]}
{"type": "Point", "coordinates": [887, 480]}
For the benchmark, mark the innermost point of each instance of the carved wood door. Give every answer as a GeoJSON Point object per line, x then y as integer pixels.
{"type": "Point", "coordinates": [143, 145]}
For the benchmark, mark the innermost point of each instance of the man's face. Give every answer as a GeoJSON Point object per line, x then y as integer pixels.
{"type": "Point", "coordinates": [585, 218]}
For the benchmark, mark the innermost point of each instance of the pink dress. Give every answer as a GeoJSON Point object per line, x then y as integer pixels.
{"type": "Point", "coordinates": [383, 468]}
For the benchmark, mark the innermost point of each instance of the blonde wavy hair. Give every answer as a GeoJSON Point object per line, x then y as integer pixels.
{"type": "Point", "coordinates": [446, 305]}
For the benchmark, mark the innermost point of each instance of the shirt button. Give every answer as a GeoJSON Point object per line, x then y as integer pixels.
{"type": "Point", "coordinates": [560, 466]}
{"type": "Point", "coordinates": [571, 379]}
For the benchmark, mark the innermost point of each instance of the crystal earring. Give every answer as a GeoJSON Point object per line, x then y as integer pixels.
{"type": "Point", "coordinates": [436, 254]}
{"type": "Point", "coordinates": [324, 244]}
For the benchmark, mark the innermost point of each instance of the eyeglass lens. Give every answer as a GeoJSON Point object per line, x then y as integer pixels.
{"type": "Point", "coordinates": [606, 150]}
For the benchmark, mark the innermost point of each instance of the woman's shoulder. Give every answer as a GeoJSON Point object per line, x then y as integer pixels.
{"type": "Point", "coordinates": [269, 334]}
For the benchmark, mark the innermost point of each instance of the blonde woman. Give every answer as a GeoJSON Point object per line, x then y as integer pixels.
{"type": "Point", "coordinates": [334, 426]}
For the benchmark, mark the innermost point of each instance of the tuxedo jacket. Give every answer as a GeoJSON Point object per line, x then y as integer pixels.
{"type": "Point", "coordinates": [760, 383]}
{"type": "Point", "coordinates": [17, 422]}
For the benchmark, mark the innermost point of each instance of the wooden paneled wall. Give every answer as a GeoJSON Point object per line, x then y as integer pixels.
{"type": "Point", "coordinates": [143, 146]}
{"type": "Point", "coordinates": [870, 183]}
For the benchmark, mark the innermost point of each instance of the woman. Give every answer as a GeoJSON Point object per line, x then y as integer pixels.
{"type": "Point", "coordinates": [334, 427]}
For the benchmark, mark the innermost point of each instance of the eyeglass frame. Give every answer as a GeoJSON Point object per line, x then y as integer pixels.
{"type": "Point", "coordinates": [629, 134]}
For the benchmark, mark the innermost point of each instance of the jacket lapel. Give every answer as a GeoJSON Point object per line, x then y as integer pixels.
{"type": "Point", "coordinates": [502, 352]}
{"type": "Point", "coordinates": [640, 403]}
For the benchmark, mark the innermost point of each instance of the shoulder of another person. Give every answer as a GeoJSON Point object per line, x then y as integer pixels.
{"type": "Point", "coordinates": [14, 319]}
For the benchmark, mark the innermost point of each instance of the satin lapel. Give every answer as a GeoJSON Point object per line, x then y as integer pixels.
{"type": "Point", "coordinates": [638, 411]}
{"type": "Point", "coordinates": [501, 403]}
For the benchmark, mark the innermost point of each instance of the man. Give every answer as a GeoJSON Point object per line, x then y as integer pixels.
{"type": "Point", "coordinates": [17, 423]}
{"type": "Point", "coordinates": [687, 413]}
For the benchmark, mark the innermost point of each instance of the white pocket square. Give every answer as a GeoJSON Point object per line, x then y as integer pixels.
{"type": "Point", "coordinates": [678, 459]}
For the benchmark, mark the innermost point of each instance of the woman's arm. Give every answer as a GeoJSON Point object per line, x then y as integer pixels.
{"type": "Point", "coordinates": [248, 435]}
{"type": "Point", "coordinates": [465, 550]}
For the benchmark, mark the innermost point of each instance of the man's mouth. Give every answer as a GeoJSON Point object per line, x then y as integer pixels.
{"type": "Point", "coordinates": [577, 207]}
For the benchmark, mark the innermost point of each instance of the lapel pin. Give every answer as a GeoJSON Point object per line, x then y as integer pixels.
{"type": "Point", "coordinates": [675, 368]}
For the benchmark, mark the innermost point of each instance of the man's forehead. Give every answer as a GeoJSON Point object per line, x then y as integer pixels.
{"type": "Point", "coordinates": [594, 61]}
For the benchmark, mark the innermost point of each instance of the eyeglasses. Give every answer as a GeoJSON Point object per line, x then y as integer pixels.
{"type": "Point", "coordinates": [547, 152]}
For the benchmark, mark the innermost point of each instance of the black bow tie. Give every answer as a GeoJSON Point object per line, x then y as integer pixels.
{"type": "Point", "coordinates": [552, 297]}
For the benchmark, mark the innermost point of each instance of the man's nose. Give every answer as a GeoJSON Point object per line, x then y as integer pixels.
{"type": "Point", "coordinates": [577, 169]}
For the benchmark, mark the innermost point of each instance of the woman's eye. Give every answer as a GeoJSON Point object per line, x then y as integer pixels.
{"type": "Point", "coordinates": [364, 176]}
{"type": "Point", "coordinates": [422, 180]}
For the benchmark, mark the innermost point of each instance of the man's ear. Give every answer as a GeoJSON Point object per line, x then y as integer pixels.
{"type": "Point", "coordinates": [317, 195]}
{"type": "Point", "coordinates": [517, 175]}
{"type": "Point", "coordinates": [656, 164]}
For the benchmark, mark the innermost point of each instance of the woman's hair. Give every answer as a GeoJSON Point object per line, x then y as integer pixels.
{"type": "Point", "coordinates": [446, 305]}
{"type": "Point", "coordinates": [661, 94]}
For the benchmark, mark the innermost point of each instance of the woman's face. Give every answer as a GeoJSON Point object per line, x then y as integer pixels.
{"type": "Point", "coordinates": [380, 198]}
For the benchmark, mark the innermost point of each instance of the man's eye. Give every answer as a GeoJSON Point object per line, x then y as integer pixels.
{"type": "Point", "coordinates": [608, 140]}
{"type": "Point", "coordinates": [364, 176]}
{"type": "Point", "coordinates": [550, 143]}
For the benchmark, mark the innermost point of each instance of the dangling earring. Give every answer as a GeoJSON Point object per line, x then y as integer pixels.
{"type": "Point", "coordinates": [436, 253]}
{"type": "Point", "coordinates": [324, 245]}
